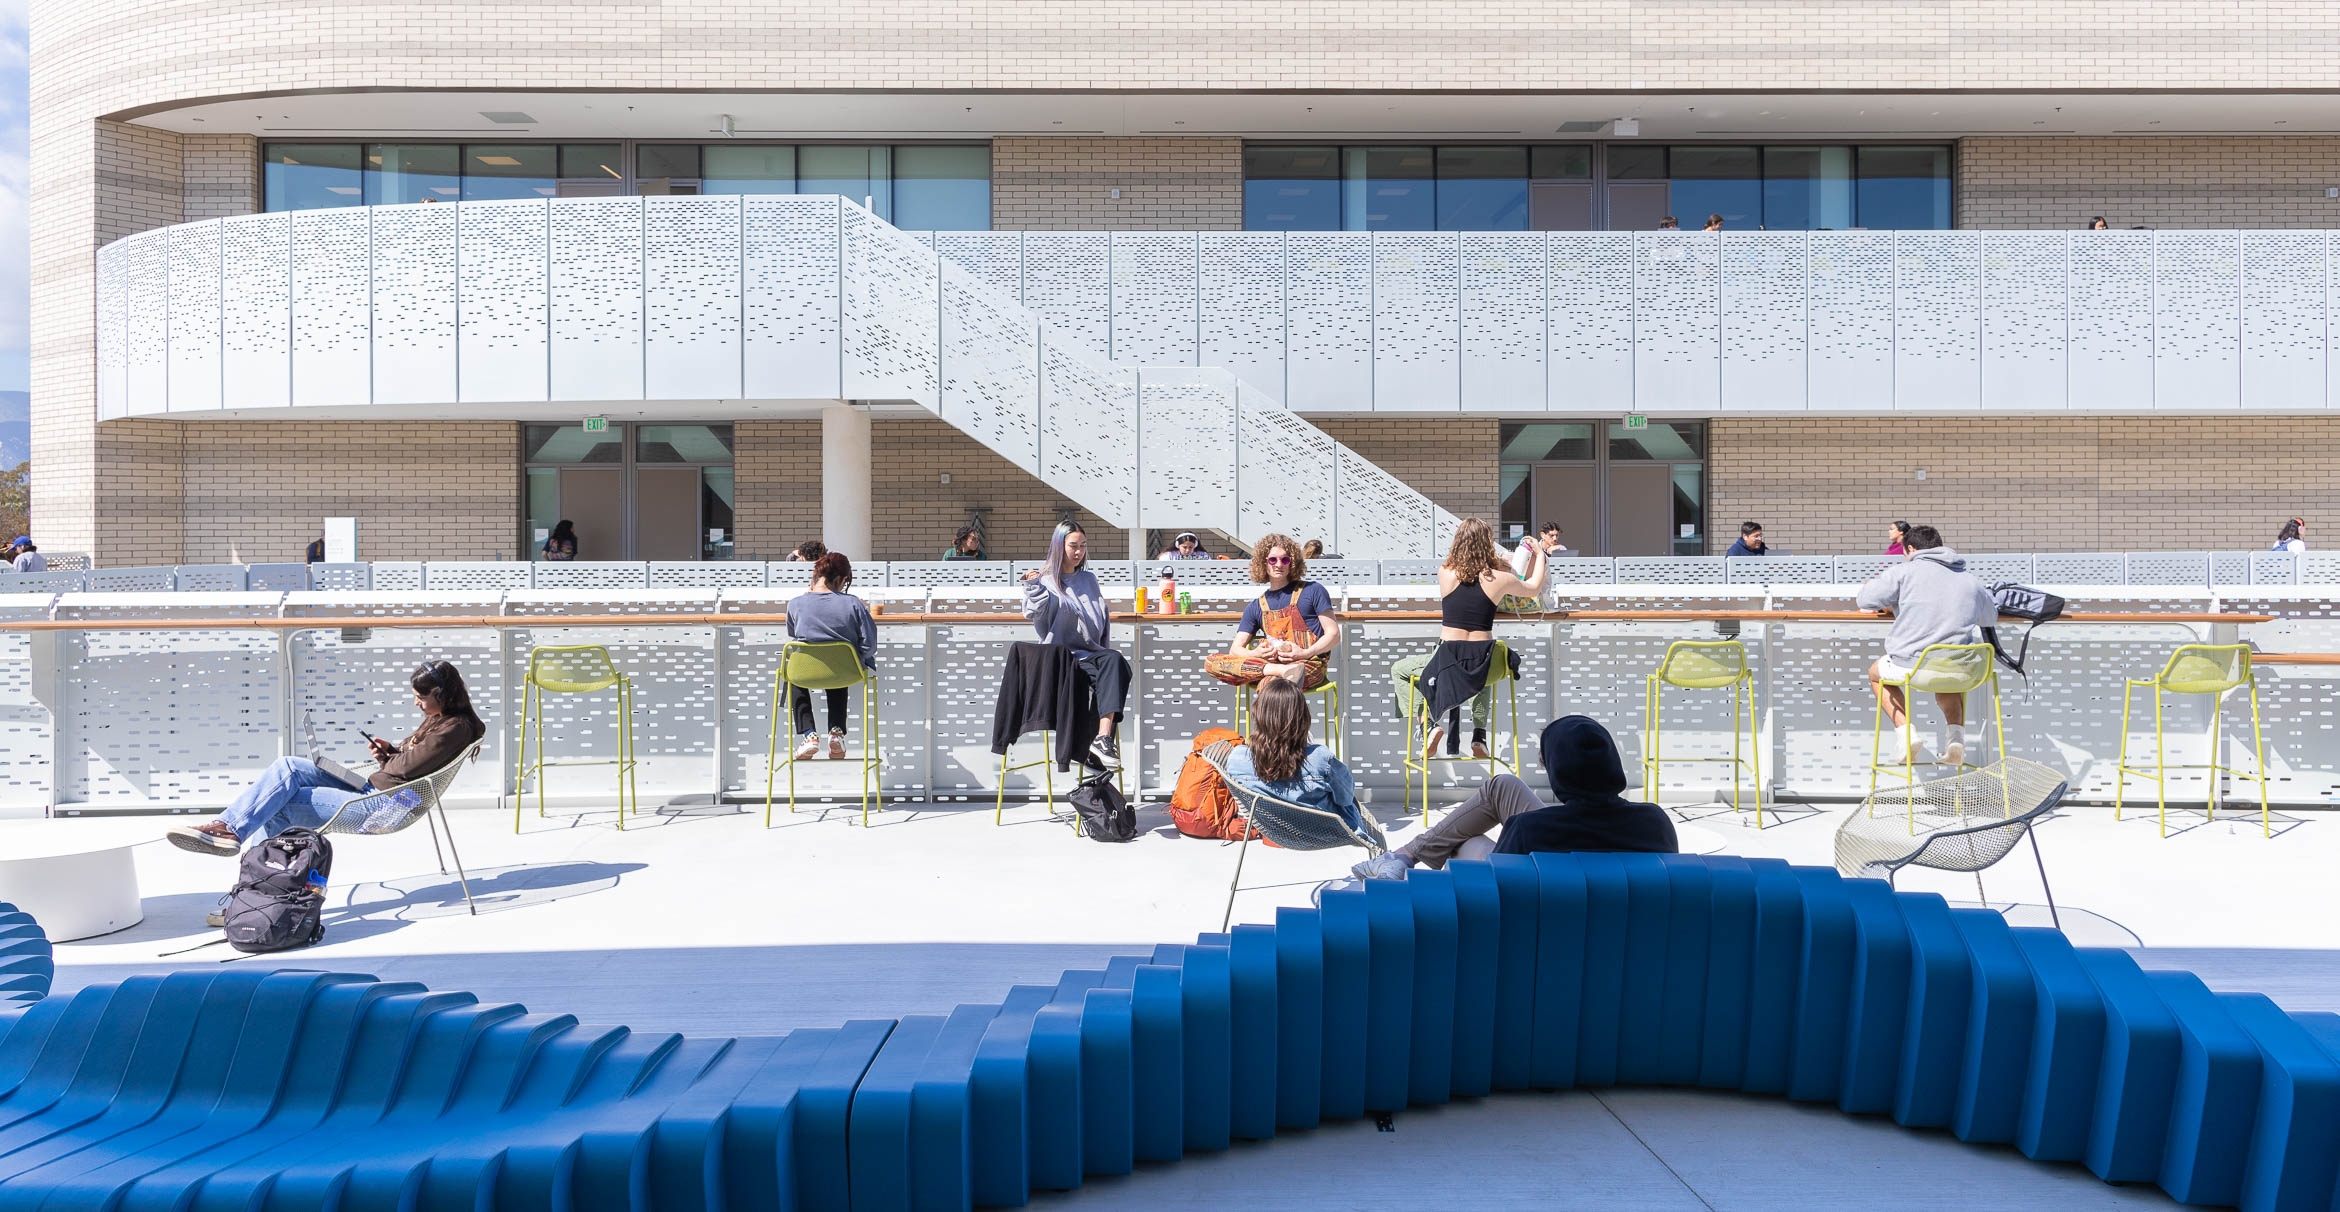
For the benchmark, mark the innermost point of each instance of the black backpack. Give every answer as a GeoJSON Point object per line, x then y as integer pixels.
{"type": "Point", "coordinates": [2021, 602]}
{"type": "Point", "coordinates": [1105, 815]}
{"type": "Point", "coordinates": [278, 902]}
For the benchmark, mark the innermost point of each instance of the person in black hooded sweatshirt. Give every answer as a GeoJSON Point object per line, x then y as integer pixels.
{"type": "Point", "coordinates": [1587, 776]}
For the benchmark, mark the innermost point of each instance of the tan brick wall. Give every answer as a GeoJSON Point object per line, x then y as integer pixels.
{"type": "Point", "coordinates": [258, 491]}
{"type": "Point", "coordinates": [1166, 184]}
{"type": "Point", "coordinates": [916, 513]}
{"type": "Point", "coordinates": [2149, 181]}
{"type": "Point", "coordinates": [776, 468]}
{"type": "Point", "coordinates": [2021, 484]}
{"type": "Point", "coordinates": [222, 174]}
{"type": "Point", "coordinates": [1451, 460]}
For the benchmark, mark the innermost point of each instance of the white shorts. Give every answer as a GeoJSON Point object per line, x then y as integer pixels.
{"type": "Point", "coordinates": [1891, 672]}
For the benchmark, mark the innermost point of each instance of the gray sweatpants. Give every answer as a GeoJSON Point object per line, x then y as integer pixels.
{"type": "Point", "coordinates": [1464, 832]}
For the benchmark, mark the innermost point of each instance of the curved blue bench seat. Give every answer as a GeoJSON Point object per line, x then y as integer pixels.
{"type": "Point", "coordinates": [236, 1088]}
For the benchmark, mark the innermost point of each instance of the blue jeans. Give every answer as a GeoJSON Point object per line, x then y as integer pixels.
{"type": "Point", "coordinates": [291, 793]}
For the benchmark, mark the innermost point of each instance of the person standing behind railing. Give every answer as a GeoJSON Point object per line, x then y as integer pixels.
{"type": "Point", "coordinates": [24, 557]}
{"type": "Point", "coordinates": [1897, 539]}
{"type": "Point", "coordinates": [966, 545]}
{"type": "Point", "coordinates": [1066, 607]}
{"type": "Point", "coordinates": [2292, 538]}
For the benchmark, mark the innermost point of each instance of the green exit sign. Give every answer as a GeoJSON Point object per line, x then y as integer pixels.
{"type": "Point", "coordinates": [597, 424]}
{"type": "Point", "coordinates": [1635, 420]}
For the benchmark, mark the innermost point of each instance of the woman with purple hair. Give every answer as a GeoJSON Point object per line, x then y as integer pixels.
{"type": "Point", "coordinates": [1066, 607]}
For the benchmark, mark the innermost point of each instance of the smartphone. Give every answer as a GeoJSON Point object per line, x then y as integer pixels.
{"type": "Point", "coordinates": [370, 737]}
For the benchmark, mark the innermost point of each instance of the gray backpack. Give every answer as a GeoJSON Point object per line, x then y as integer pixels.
{"type": "Point", "coordinates": [278, 903]}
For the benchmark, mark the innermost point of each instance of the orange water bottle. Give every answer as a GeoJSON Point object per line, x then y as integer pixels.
{"type": "Point", "coordinates": [1169, 591]}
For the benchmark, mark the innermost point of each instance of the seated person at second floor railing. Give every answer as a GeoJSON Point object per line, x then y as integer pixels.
{"type": "Point", "coordinates": [1277, 759]}
{"type": "Point", "coordinates": [1066, 607]}
{"type": "Point", "coordinates": [1295, 613]}
{"type": "Point", "coordinates": [1187, 546]}
{"type": "Point", "coordinates": [1460, 669]}
{"type": "Point", "coordinates": [1934, 600]}
{"type": "Point", "coordinates": [1592, 813]}
{"type": "Point", "coordinates": [296, 792]}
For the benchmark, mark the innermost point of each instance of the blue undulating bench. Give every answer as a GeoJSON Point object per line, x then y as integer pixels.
{"type": "Point", "coordinates": [242, 1088]}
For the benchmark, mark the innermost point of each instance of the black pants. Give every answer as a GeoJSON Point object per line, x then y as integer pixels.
{"type": "Point", "coordinates": [801, 701]}
{"type": "Point", "coordinates": [1109, 673]}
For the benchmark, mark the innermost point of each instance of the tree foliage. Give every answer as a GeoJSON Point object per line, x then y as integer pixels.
{"type": "Point", "coordinates": [16, 501]}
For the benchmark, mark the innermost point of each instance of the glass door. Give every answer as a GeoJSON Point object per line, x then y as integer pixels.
{"type": "Point", "coordinates": [631, 492]}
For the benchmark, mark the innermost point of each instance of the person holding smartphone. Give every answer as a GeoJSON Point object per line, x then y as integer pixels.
{"type": "Point", "coordinates": [297, 792]}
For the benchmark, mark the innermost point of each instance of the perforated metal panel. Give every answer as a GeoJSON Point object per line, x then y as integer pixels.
{"type": "Point", "coordinates": [2197, 319]}
{"type": "Point", "coordinates": [1677, 326]}
{"type": "Point", "coordinates": [2230, 568]}
{"type": "Point", "coordinates": [462, 575]}
{"type": "Point", "coordinates": [1154, 298]}
{"type": "Point", "coordinates": [1404, 572]}
{"type": "Point", "coordinates": [1242, 275]}
{"type": "Point", "coordinates": [25, 742]}
{"type": "Point", "coordinates": [162, 579]}
{"type": "Point", "coordinates": [255, 353]}
{"type": "Point", "coordinates": [347, 680]}
{"type": "Point", "coordinates": [181, 719]}
{"type": "Point", "coordinates": [1670, 570]}
{"type": "Point", "coordinates": [2319, 568]}
{"type": "Point", "coordinates": [414, 303]}
{"type": "Point", "coordinates": [2167, 568]}
{"type": "Point", "coordinates": [503, 329]}
{"type": "Point", "coordinates": [593, 574]}
{"type": "Point", "coordinates": [1380, 518]}
{"type": "Point", "coordinates": [892, 327]}
{"type": "Point", "coordinates": [691, 297]}
{"type": "Point", "coordinates": [341, 577]}
{"type": "Point", "coordinates": [1417, 322]}
{"type": "Point", "coordinates": [996, 258]}
{"type": "Point", "coordinates": [277, 578]}
{"type": "Point", "coordinates": [1088, 428]}
{"type": "Point", "coordinates": [1584, 570]}
{"type": "Point", "coordinates": [146, 330]}
{"type": "Point", "coordinates": [1763, 320]}
{"type": "Point", "coordinates": [1187, 427]}
{"type": "Point", "coordinates": [1503, 339]}
{"type": "Point", "coordinates": [1328, 312]}
{"type": "Point", "coordinates": [208, 578]}
{"type": "Point", "coordinates": [2274, 568]}
{"type": "Point", "coordinates": [194, 305]}
{"type": "Point", "coordinates": [596, 270]}
{"type": "Point", "coordinates": [1287, 475]}
{"type": "Point", "coordinates": [2023, 356]}
{"type": "Point", "coordinates": [1196, 574]}
{"type": "Point", "coordinates": [1781, 570]}
{"type": "Point", "coordinates": [332, 306]}
{"type": "Point", "coordinates": [1850, 363]}
{"type": "Point", "coordinates": [706, 574]}
{"type": "Point", "coordinates": [1344, 571]}
{"type": "Point", "coordinates": [1859, 570]}
{"type": "Point", "coordinates": [1068, 279]}
{"type": "Point", "coordinates": [2077, 568]}
{"type": "Point", "coordinates": [2008, 567]}
{"type": "Point", "coordinates": [2284, 339]}
{"type": "Point", "coordinates": [991, 367]}
{"type": "Point", "coordinates": [751, 661]}
{"type": "Point", "coordinates": [790, 262]}
{"type": "Point", "coordinates": [2111, 320]}
{"type": "Point", "coordinates": [1590, 320]}
{"type": "Point", "coordinates": [387, 577]}
{"type": "Point", "coordinates": [43, 584]}
{"type": "Point", "coordinates": [1937, 320]}
{"type": "Point", "coordinates": [920, 574]}
{"type": "Point", "coordinates": [112, 288]}
{"type": "Point", "coordinates": [677, 697]}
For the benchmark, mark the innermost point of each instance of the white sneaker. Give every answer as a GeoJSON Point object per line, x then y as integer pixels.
{"type": "Point", "coordinates": [809, 750]}
{"type": "Point", "coordinates": [1392, 866]}
{"type": "Point", "coordinates": [836, 746]}
{"type": "Point", "coordinates": [1919, 755]}
{"type": "Point", "coordinates": [1954, 754]}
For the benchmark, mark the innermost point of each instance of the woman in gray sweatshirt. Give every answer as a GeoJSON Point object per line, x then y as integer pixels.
{"type": "Point", "coordinates": [1066, 607]}
{"type": "Point", "coordinates": [826, 613]}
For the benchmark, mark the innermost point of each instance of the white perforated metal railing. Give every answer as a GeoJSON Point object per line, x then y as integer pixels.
{"type": "Point", "coordinates": [2223, 569]}
{"type": "Point", "coordinates": [146, 719]}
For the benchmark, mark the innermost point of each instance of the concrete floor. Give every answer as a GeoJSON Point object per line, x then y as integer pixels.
{"type": "Point", "coordinates": [701, 920]}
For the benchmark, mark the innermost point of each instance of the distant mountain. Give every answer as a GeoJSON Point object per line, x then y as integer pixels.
{"type": "Point", "coordinates": [15, 427]}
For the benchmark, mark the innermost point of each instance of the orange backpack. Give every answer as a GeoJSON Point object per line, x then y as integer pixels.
{"type": "Point", "coordinates": [1202, 806]}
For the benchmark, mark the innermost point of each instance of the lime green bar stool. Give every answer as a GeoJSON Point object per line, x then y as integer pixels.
{"type": "Point", "coordinates": [1330, 693]}
{"type": "Point", "coordinates": [1418, 729]}
{"type": "Point", "coordinates": [1705, 665]}
{"type": "Point", "coordinates": [575, 669]}
{"type": "Point", "coordinates": [1047, 767]}
{"type": "Point", "coordinates": [827, 665]}
{"type": "Point", "coordinates": [1940, 669]}
{"type": "Point", "coordinates": [2214, 670]}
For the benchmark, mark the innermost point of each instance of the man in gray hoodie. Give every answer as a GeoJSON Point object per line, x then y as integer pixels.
{"type": "Point", "coordinates": [1934, 600]}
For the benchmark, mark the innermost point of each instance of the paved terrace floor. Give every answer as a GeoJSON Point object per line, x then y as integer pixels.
{"type": "Point", "coordinates": [700, 920]}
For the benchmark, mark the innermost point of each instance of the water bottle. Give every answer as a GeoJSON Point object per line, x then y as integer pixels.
{"type": "Point", "coordinates": [1169, 592]}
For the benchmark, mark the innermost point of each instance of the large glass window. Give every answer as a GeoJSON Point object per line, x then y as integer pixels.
{"type": "Point", "coordinates": [571, 444]}
{"type": "Point", "coordinates": [863, 174]}
{"type": "Point", "coordinates": [682, 444]}
{"type": "Point", "coordinates": [1807, 188]}
{"type": "Point", "coordinates": [593, 162]}
{"type": "Point", "coordinates": [413, 172]}
{"type": "Point", "coordinates": [303, 176]}
{"type": "Point", "coordinates": [509, 170]}
{"type": "Point", "coordinates": [942, 188]}
{"type": "Point", "coordinates": [1725, 181]}
{"type": "Point", "coordinates": [1292, 188]}
{"type": "Point", "coordinates": [1905, 187]}
{"type": "Point", "coordinates": [1388, 189]}
{"type": "Point", "coordinates": [1482, 189]}
{"type": "Point", "coordinates": [748, 170]}
{"type": "Point", "coordinates": [1561, 162]}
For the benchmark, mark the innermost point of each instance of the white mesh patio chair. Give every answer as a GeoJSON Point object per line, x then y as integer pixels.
{"type": "Point", "coordinates": [1289, 825]}
{"type": "Point", "coordinates": [1966, 822]}
{"type": "Point", "coordinates": [385, 812]}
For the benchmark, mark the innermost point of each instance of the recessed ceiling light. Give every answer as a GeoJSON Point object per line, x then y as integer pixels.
{"type": "Point", "coordinates": [507, 117]}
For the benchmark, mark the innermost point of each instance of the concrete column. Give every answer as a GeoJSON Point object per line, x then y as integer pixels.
{"type": "Point", "coordinates": [845, 493]}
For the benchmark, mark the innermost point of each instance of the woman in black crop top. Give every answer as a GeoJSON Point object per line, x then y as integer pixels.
{"type": "Point", "coordinates": [1459, 670]}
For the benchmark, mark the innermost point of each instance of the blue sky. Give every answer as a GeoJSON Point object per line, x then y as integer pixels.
{"type": "Point", "coordinates": [15, 184]}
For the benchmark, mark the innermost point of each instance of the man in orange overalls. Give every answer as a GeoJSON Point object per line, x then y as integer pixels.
{"type": "Point", "coordinates": [1295, 616]}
